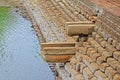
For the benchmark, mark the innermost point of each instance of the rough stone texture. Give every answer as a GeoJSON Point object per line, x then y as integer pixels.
{"type": "Point", "coordinates": [98, 57]}
{"type": "Point", "coordinates": [116, 55]}
{"type": "Point", "coordinates": [87, 74]}
{"type": "Point", "coordinates": [100, 75]}
{"type": "Point", "coordinates": [103, 66]}
{"type": "Point", "coordinates": [110, 72]}
{"type": "Point", "coordinates": [94, 67]}
{"type": "Point", "coordinates": [116, 77]}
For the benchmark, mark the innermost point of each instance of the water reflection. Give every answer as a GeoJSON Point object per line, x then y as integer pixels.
{"type": "Point", "coordinates": [19, 50]}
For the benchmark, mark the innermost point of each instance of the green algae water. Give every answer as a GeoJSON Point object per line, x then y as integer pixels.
{"type": "Point", "coordinates": [19, 49]}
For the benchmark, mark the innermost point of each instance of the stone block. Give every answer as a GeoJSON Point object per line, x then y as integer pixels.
{"type": "Point", "coordinates": [58, 65]}
{"type": "Point", "coordinates": [106, 54]}
{"type": "Point", "coordinates": [118, 67]}
{"type": "Point", "coordinates": [93, 43]}
{"type": "Point", "coordinates": [110, 48]}
{"type": "Point", "coordinates": [96, 28]}
{"type": "Point", "coordinates": [82, 67]}
{"type": "Point", "coordinates": [87, 73]}
{"type": "Point", "coordinates": [82, 50]}
{"type": "Point", "coordinates": [110, 72]}
{"type": "Point", "coordinates": [76, 38]}
{"type": "Point", "coordinates": [110, 40]}
{"type": "Point", "coordinates": [94, 67]}
{"type": "Point", "coordinates": [73, 61]}
{"type": "Point", "coordinates": [90, 50]}
{"type": "Point", "coordinates": [103, 43]}
{"type": "Point", "coordinates": [116, 77]}
{"type": "Point", "coordinates": [86, 44]}
{"type": "Point", "coordinates": [100, 60]}
{"type": "Point", "coordinates": [116, 55]}
{"type": "Point", "coordinates": [94, 56]}
{"type": "Point", "coordinates": [114, 42]}
{"type": "Point", "coordinates": [118, 46]}
{"type": "Point", "coordinates": [79, 29]}
{"type": "Point", "coordinates": [79, 56]}
{"type": "Point", "coordinates": [63, 73]}
{"type": "Point", "coordinates": [100, 75]}
{"type": "Point", "coordinates": [97, 37]}
{"type": "Point", "coordinates": [87, 60]}
{"type": "Point", "coordinates": [100, 40]}
{"type": "Point", "coordinates": [119, 58]}
{"type": "Point", "coordinates": [103, 66]}
{"type": "Point", "coordinates": [94, 34]}
{"type": "Point", "coordinates": [101, 50]}
{"type": "Point", "coordinates": [113, 63]}
{"type": "Point", "coordinates": [71, 70]}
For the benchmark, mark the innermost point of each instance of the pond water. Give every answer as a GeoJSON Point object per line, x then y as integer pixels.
{"type": "Point", "coordinates": [19, 49]}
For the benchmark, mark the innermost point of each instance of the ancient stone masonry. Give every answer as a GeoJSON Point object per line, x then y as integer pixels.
{"type": "Point", "coordinates": [86, 32]}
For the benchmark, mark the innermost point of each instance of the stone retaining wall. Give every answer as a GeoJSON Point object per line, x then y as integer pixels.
{"type": "Point", "coordinates": [98, 58]}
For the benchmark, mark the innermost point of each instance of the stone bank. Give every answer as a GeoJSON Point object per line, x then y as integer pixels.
{"type": "Point", "coordinates": [98, 56]}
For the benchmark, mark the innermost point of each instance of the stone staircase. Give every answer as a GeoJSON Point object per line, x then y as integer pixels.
{"type": "Point", "coordinates": [98, 57]}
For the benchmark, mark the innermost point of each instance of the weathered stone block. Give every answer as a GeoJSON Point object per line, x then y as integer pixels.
{"type": "Point", "coordinates": [87, 60]}
{"type": "Point", "coordinates": [103, 43]}
{"type": "Point", "coordinates": [82, 67]}
{"type": "Point", "coordinates": [73, 61]}
{"type": "Point", "coordinates": [114, 42]}
{"type": "Point", "coordinates": [86, 44]}
{"type": "Point", "coordinates": [94, 43]}
{"type": "Point", "coordinates": [90, 51]}
{"type": "Point", "coordinates": [110, 40]}
{"type": "Point", "coordinates": [79, 29]}
{"type": "Point", "coordinates": [94, 34]}
{"type": "Point", "coordinates": [100, 75]}
{"type": "Point", "coordinates": [110, 48]}
{"type": "Point", "coordinates": [116, 55]}
{"type": "Point", "coordinates": [79, 56]}
{"type": "Point", "coordinates": [116, 77]}
{"type": "Point", "coordinates": [113, 63]}
{"type": "Point", "coordinates": [101, 50]}
{"type": "Point", "coordinates": [118, 46]}
{"type": "Point", "coordinates": [87, 73]}
{"type": "Point", "coordinates": [103, 66]}
{"type": "Point", "coordinates": [82, 50]}
{"type": "Point", "coordinates": [106, 54]}
{"type": "Point", "coordinates": [71, 70]}
{"type": "Point", "coordinates": [63, 73]}
{"type": "Point", "coordinates": [76, 38]}
{"type": "Point", "coordinates": [94, 67]}
{"type": "Point", "coordinates": [110, 72]}
{"type": "Point", "coordinates": [100, 60]}
{"type": "Point", "coordinates": [94, 56]}
{"type": "Point", "coordinates": [118, 67]}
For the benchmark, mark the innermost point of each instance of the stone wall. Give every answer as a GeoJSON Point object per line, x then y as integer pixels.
{"type": "Point", "coordinates": [98, 58]}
